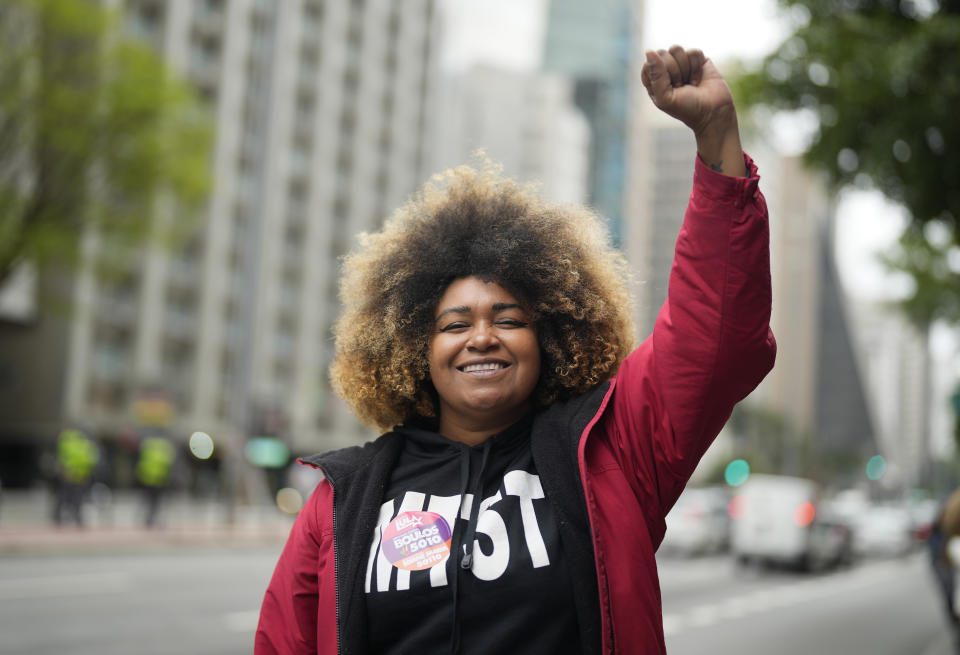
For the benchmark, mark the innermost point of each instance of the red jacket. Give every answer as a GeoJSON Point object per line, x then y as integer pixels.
{"type": "Point", "coordinates": [645, 432]}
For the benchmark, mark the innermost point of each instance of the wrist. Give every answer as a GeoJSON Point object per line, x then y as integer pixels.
{"type": "Point", "coordinates": [718, 144]}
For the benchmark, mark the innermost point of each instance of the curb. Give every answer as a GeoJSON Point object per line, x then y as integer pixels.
{"type": "Point", "coordinates": [37, 541]}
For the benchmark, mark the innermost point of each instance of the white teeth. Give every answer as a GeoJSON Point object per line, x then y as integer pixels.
{"type": "Point", "coordinates": [489, 366]}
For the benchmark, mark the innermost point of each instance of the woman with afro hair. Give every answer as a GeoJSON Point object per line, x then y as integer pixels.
{"type": "Point", "coordinates": [530, 451]}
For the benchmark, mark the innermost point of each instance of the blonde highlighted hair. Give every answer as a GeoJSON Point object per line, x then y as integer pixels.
{"type": "Point", "coordinates": [556, 259]}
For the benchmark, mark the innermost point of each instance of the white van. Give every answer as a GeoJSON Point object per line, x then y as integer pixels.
{"type": "Point", "coordinates": [779, 520]}
{"type": "Point", "coordinates": [698, 524]}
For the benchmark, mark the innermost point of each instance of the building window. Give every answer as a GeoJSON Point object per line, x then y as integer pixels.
{"type": "Point", "coordinates": [107, 396]}
{"type": "Point", "coordinates": [385, 140]}
{"type": "Point", "coordinates": [144, 20]}
{"type": "Point", "coordinates": [294, 233]}
{"type": "Point", "coordinates": [382, 181]}
{"type": "Point", "coordinates": [312, 19]}
{"type": "Point", "coordinates": [393, 26]}
{"type": "Point", "coordinates": [344, 162]}
{"type": "Point", "coordinates": [228, 365]}
{"type": "Point", "coordinates": [305, 100]}
{"type": "Point", "coordinates": [309, 57]}
{"type": "Point", "coordinates": [205, 52]}
{"type": "Point", "coordinates": [235, 258]}
{"type": "Point", "coordinates": [300, 161]}
{"type": "Point", "coordinates": [351, 80]}
{"type": "Point", "coordinates": [348, 121]}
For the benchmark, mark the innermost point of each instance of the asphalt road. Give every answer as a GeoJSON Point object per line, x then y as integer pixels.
{"type": "Point", "coordinates": [198, 601]}
{"type": "Point", "coordinates": [879, 607]}
{"type": "Point", "coordinates": [204, 601]}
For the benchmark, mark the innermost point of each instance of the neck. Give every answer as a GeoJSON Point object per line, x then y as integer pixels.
{"type": "Point", "coordinates": [473, 432]}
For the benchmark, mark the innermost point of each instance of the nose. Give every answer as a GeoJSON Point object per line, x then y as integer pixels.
{"type": "Point", "coordinates": [482, 337]}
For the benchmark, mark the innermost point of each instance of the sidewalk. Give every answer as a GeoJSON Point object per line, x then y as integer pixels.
{"type": "Point", "coordinates": [115, 524]}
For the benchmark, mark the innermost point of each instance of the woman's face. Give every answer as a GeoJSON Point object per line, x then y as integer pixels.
{"type": "Point", "coordinates": [483, 354]}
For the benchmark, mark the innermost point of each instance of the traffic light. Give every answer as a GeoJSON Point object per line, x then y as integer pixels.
{"type": "Point", "coordinates": [876, 467]}
{"type": "Point", "coordinates": [737, 472]}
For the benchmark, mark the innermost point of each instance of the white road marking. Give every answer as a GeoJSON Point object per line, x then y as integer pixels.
{"type": "Point", "coordinates": [242, 621]}
{"type": "Point", "coordinates": [705, 615]}
{"type": "Point", "coordinates": [784, 595]}
{"type": "Point", "coordinates": [672, 624]}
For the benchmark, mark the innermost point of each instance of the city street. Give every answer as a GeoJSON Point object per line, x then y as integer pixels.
{"type": "Point", "coordinates": [591, 271]}
{"type": "Point", "coordinates": [881, 607]}
{"type": "Point", "coordinates": [204, 601]}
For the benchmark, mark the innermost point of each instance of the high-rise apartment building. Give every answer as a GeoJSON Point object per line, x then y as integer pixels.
{"type": "Point", "coordinates": [524, 121]}
{"type": "Point", "coordinates": [594, 44]}
{"type": "Point", "coordinates": [668, 171]}
{"type": "Point", "coordinates": [322, 126]}
{"type": "Point", "coordinates": [816, 386]}
{"type": "Point", "coordinates": [817, 383]}
{"type": "Point", "coordinates": [897, 368]}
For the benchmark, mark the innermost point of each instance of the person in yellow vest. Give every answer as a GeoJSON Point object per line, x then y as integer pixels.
{"type": "Point", "coordinates": [77, 456]}
{"type": "Point", "coordinates": [154, 466]}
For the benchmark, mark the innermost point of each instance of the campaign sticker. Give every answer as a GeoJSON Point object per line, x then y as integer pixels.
{"type": "Point", "coordinates": [415, 541]}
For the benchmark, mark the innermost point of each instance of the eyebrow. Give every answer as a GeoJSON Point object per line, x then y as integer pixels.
{"type": "Point", "coordinates": [464, 309]}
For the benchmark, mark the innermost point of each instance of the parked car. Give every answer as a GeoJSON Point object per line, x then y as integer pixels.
{"type": "Point", "coordinates": [923, 513]}
{"type": "Point", "coordinates": [884, 530]}
{"type": "Point", "coordinates": [781, 520]}
{"type": "Point", "coordinates": [698, 523]}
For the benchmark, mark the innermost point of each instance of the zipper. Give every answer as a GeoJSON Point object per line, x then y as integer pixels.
{"type": "Point", "coordinates": [336, 551]}
{"type": "Point", "coordinates": [582, 465]}
{"type": "Point", "coordinates": [336, 566]}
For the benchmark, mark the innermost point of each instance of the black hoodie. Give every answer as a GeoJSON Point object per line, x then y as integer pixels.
{"type": "Point", "coordinates": [466, 556]}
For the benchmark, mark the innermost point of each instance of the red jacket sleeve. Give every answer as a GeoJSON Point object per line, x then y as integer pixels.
{"type": "Point", "coordinates": [292, 620]}
{"type": "Point", "coordinates": [711, 344]}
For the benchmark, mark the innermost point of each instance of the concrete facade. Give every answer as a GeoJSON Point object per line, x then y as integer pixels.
{"type": "Point", "coordinates": [526, 122]}
{"type": "Point", "coordinates": [322, 113]}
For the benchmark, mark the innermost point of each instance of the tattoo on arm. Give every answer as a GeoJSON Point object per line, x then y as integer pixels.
{"type": "Point", "coordinates": [718, 167]}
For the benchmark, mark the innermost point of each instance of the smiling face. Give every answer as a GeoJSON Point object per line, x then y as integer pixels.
{"type": "Point", "coordinates": [484, 359]}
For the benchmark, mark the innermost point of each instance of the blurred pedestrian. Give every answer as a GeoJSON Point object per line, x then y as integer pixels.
{"type": "Point", "coordinates": [944, 548]}
{"type": "Point", "coordinates": [518, 496]}
{"type": "Point", "coordinates": [154, 467]}
{"type": "Point", "coordinates": [77, 457]}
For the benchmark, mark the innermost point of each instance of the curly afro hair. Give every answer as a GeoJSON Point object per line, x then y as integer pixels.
{"type": "Point", "coordinates": [556, 259]}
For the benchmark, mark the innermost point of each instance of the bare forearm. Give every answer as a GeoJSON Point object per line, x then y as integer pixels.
{"type": "Point", "coordinates": [719, 147]}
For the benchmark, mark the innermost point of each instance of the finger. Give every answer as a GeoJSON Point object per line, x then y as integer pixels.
{"type": "Point", "coordinates": [696, 59]}
{"type": "Point", "coordinates": [673, 70]}
{"type": "Point", "coordinates": [683, 62]}
{"type": "Point", "coordinates": [659, 86]}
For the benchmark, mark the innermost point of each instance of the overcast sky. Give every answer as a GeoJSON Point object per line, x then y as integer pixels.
{"type": "Point", "coordinates": [509, 33]}
{"type": "Point", "coordinates": [747, 29]}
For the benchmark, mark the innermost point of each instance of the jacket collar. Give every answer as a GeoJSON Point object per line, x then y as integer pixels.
{"type": "Point", "coordinates": [339, 466]}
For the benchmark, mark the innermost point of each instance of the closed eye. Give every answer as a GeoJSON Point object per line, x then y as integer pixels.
{"type": "Point", "coordinates": [452, 327]}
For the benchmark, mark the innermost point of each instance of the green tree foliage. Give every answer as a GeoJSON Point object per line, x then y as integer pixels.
{"type": "Point", "coordinates": [769, 441]}
{"type": "Point", "coordinates": [883, 79]}
{"type": "Point", "coordinates": [95, 135]}
{"type": "Point", "coordinates": [772, 443]}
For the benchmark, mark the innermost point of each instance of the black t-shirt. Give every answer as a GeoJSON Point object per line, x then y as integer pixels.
{"type": "Point", "coordinates": [517, 594]}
